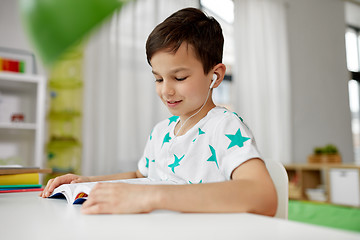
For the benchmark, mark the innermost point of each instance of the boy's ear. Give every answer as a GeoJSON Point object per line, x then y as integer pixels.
{"type": "Point", "coordinates": [219, 70]}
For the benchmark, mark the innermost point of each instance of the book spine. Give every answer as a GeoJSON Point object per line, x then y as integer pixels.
{"type": "Point", "coordinates": [17, 179]}
{"type": "Point", "coordinates": [21, 186]}
{"type": "Point", "coordinates": [22, 190]}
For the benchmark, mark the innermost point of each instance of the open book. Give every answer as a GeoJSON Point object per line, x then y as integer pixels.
{"type": "Point", "coordinates": [77, 193]}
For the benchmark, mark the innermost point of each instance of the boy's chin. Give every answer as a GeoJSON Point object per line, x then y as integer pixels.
{"type": "Point", "coordinates": [173, 112]}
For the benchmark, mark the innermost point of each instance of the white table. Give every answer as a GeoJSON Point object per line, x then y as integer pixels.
{"type": "Point", "coordinates": [27, 216]}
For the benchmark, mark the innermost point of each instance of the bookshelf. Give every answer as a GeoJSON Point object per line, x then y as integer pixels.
{"type": "Point", "coordinates": [335, 183]}
{"type": "Point", "coordinates": [22, 119]}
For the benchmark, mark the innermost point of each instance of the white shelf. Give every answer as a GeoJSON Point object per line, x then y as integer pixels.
{"type": "Point", "coordinates": [21, 126]}
{"type": "Point", "coordinates": [19, 83]}
{"type": "Point", "coordinates": [19, 78]}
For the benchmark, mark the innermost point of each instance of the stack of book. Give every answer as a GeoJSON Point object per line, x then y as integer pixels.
{"type": "Point", "coordinates": [20, 179]}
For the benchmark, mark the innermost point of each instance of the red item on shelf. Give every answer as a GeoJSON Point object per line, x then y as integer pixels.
{"type": "Point", "coordinates": [17, 117]}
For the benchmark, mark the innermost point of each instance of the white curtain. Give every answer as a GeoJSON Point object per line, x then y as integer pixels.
{"type": "Point", "coordinates": [120, 103]}
{"type": "Point", "coordinates": [261, 76]}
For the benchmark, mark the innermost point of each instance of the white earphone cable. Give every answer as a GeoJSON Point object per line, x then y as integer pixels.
{"type": "Point", "coordinates": [183, 124]}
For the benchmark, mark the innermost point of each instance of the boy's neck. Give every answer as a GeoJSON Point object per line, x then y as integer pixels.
{"type": "Point", "coordinates": [193, 120]}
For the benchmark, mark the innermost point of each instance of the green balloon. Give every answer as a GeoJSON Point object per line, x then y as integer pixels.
{"type": "Point", "coordinates": [55, 25]}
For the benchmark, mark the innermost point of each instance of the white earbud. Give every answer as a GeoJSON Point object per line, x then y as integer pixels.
{"type": "Point", "coordinates": [213, 81]}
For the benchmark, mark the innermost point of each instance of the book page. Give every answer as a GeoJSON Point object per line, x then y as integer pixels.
{"type": "Point", "coordinates": [71, 191]}
{"type": "Point", "coordinates": [63, 191]}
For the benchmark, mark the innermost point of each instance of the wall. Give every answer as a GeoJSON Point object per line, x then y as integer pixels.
{"type": "Point", "coordinates": [320, 103]}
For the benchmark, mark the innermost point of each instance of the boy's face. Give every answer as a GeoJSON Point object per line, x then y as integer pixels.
{"type": "Point", "coordinates": [180, 81]}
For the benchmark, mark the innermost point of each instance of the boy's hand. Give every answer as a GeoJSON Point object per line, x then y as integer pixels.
{"type": "Point", "coordinates": [65, 179]}
{"type": "Point", "coordinates": [112, 198]}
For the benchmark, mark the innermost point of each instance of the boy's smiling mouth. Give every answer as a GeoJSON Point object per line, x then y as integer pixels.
{"type": "Point", "coordinates": [173, 103]}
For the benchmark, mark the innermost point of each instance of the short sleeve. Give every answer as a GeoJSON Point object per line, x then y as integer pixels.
{"type": "Point", "coordinates": [143, 163]}
{"type": "Point", "coordinates": [234, 143]}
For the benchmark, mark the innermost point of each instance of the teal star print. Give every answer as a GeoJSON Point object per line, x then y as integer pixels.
{"type": "Point", "coordinates": [167, 139]}
{"type": "Point", "coordinates": [151, 134]}
{"type": "Point", "coordinates": [213, 158]}
{"type": "Point", "coordinates": [193, 183]}
{"type": "Point", "coordinates": [200, 133]}
{"type": "Point", "coordinates": [176, 163]}
{"type": "Point", "coordinates": [147, 162]}
{"type": "Point", "coordinates": [236, 139]}
{"type": "Point", "coordinates": [238, 116]}
{"type": "Point", "coordinates": [173, 119]}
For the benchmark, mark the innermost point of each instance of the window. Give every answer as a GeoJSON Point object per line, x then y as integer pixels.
{"type": "Point", "coordinates": [352, 39]}
{"type": "Point", "coordinates": [223, 11]}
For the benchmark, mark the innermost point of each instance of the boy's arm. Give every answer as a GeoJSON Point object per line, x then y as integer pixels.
{"type": "Point", "coordinates": [250, 190]}
{"type": "Point", "coordinates": [117, 176]}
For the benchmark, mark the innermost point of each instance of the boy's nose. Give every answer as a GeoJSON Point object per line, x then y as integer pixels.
{"type": "Point", "coordinates": [168, 88]}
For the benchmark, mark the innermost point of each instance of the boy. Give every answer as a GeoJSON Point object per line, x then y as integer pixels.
{"type": "Point", "coordinates": [201, 143]}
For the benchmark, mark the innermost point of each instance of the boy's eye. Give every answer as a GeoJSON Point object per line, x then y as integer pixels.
{"type": "Point", "coordinates": [181, 79]}
{"type": "Point", "coordinates": [158, 80]}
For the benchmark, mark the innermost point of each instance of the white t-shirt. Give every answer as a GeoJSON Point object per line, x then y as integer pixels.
{"type": "Point", "coordinates": [208, 152]}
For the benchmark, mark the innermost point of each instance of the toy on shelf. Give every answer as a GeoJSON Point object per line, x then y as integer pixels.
{"type": "Point", "coordinates": [17, 117]}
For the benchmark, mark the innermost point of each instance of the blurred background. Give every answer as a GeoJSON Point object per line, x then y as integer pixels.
{"type": "Point", "coordinates": [292, 75]}
{"type": "Point", "coordinates": [292, 69]}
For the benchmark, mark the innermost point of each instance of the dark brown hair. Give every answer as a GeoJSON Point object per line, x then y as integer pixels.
{"type": "Point", "coordinates": [191, 26]}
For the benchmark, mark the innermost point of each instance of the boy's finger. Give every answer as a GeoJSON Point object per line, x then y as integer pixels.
{"type": "Point", "coordinates": [89, 210]}
{"type": "Point", "coordinates": [46, 188]}
{"type": "Point", "coordinates": [77, 180]}
{"type": "Point", "coordinates": [98, 208]}
{"type": "Point", "coordinates": [54, 184]}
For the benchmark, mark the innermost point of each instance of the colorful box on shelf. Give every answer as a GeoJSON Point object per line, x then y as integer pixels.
{"type": "Point", "coordinates": [11, 65]}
